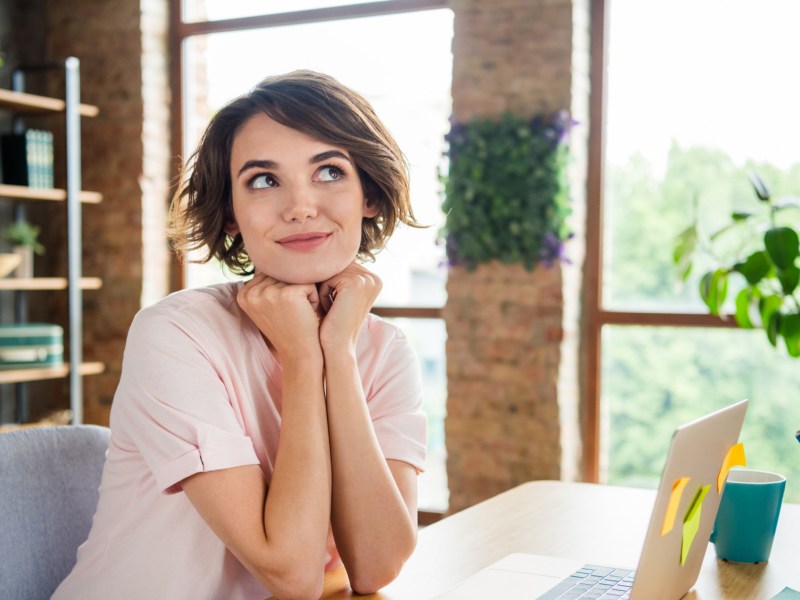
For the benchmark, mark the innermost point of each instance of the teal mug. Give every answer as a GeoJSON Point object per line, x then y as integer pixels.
{"type": "Point", "coordinates": [748, 515]}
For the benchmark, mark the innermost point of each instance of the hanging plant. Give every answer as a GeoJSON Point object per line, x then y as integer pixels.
{"type": "Point", "coordinates": [506, 196]}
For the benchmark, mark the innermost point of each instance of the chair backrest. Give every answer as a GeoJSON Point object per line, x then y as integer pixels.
{"type": "Point", "coordinates": [49, 479]}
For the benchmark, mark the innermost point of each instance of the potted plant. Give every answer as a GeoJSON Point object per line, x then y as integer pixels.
{"type": "Point", "coordinates": [24, 238]}
{"type": "Point", "coordinates": [761, 257]}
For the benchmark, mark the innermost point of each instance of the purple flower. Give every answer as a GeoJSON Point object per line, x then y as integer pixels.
{"type": "Point", "coordinates": [553, 249]}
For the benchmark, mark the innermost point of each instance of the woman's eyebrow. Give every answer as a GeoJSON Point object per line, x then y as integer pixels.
{"type": "Point", "coordinates": [271, 164]}
{"type": "Point", "coordinates": [257, 164]}
{"type": "Point", "coordinates": [328, 154]}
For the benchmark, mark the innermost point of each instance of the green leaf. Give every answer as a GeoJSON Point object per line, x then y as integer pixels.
{"type": "Point", "coordinates": [714, 289]}
{"type": "Point", "coordinates": [758, 186]}
{"type": "Point", "coordinates": [782, 245]}
{"type": "Point", "coordinates": [768, 306]}
{"type": "Point", "coordinates": [684, 275]}
{"type": "Point", "coordinates": [743, 302]}
{"type": "Point", "coordinates": [773, 328]}
{"type": "Point", "coordinates": [790, 332]}
{"type": "Point", "coordinates": [754, 268]}
{"type": "Point", "coordinates": [705, 288]}
{"type": "Point", "coordinates": [789, 279]}
{"type": "Point", "coordinates": [685, 245]}
{"type": "Point", "coordinates": [741, 216]}
{"type": "Point", "coordinates": [683, 253]}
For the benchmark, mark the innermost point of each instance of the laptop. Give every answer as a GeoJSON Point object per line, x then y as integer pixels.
{"type": "Point", "coordinates": [700, 455]}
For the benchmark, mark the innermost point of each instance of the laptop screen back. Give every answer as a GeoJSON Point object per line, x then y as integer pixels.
{"type": "Point", "coordinates": [686, 504]}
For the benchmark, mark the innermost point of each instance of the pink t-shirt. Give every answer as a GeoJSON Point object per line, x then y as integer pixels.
{"type": "Point", "coordinates": [200, 391]}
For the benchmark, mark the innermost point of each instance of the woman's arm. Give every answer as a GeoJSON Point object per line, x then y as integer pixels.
{"type": "Point", "coordinates": [280, 537]}
{"type": "Point", "coordinates": [373, 504]}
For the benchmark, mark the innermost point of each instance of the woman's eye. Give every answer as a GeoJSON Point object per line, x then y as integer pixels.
{"type": "Point", "coordinates": [330, 173]}
{"type": "Point", "coordinates": [262, 181]}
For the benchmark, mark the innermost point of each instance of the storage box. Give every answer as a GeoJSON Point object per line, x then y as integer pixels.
{"type": "Point", "coordinates": [31, 345]}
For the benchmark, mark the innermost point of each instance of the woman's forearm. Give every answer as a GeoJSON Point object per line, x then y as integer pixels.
{"type": "Point", "coordinates": [373, 526]}
{"type": "Point", "coordinates": [279, 536]}
{"type": "Point", "coordinates": [297, 510]}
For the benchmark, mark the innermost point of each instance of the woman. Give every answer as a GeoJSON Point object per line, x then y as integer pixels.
{"type": "Point", "coordinates": [257, 423]}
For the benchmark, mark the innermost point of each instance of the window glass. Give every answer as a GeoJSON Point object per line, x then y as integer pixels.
{"type": "Point", "coordinates": [428, 338]}
{"type": "Point", "coordinates": [698, 92]}
{"type": "Point", "coordinates": [656, 378]}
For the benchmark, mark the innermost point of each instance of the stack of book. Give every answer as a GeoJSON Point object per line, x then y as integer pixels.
{"type": "Point", "coordinates": [27, 158]}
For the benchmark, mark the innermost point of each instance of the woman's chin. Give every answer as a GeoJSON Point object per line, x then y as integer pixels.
{"type": "Point", "coordinates": [306, 276]}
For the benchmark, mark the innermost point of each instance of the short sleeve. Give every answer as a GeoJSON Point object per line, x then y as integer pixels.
{"type": "Point", "coordinates": [172, 402]}
{"type": "Point", "coordinates": [394, 399]}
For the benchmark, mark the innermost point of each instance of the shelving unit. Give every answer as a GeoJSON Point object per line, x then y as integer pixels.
{"type": "Point", "coordinates": [27, 375]}
{"type": "Point", "coordinates": [48, 283]}
{"type": "Point", "coordinates": [30, 104]}
{"type": "Point", "coordinates": [20, 192]}
{"type": "Point", "coordinates": [21, 103]}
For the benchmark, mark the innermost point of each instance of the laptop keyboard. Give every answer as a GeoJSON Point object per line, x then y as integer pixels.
{"type": "Point", "coordinates": [593, 582]}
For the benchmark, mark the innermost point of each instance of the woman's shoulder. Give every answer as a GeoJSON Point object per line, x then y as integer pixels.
{"type": "Point", "coordinates": [202, 305]}
{"type": "Point", "coordinates": [382, 341]}
{"type": "Point", "coordinates": [379, 330]}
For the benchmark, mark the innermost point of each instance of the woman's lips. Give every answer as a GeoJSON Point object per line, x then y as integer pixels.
{"type": "Point", "coordinates": [304, 241]}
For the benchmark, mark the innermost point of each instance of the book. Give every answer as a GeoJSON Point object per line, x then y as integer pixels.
{"type": "Point", "coordinates": [27, 158]}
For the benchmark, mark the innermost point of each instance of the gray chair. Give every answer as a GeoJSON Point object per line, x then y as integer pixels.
{"type": "Point", "coordinates": [49, 479]}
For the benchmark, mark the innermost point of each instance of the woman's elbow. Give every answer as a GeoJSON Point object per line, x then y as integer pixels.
{"type": "Point", "coordinates": [378, 574]}
{"type": "Point", "coordinates": [295, 583]}
{"type": "Point", "coordinates": [371, 580]}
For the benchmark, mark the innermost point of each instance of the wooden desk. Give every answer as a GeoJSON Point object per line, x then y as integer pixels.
{"type": "Point", "coordinates": [570, 520]}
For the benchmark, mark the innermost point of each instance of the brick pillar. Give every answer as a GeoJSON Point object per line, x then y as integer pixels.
{"type": "Point", "coordinates": [513, 335]}
{"type": "Point", "coordinates": [125, 155]}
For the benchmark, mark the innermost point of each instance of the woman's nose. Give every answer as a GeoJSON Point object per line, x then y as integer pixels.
{"type": "Point", "coordinates": [300, 206]}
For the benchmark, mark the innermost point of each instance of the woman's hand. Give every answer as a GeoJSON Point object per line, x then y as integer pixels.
{"type": "Point", "coordinates": [346, 299]}
{"type": "Point", "coordinates": [287, 314]}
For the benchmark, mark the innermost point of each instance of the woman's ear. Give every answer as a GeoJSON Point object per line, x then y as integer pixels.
{"type": "Point", "coordinates": [371, 208]}
{"type": "Point", "coordinates": [231, 229]}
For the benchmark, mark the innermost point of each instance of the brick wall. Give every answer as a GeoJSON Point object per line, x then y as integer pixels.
{"type": "Point", "coordinates": [125, 152]}
{"type": "Point", "coordinates": [513, 335]}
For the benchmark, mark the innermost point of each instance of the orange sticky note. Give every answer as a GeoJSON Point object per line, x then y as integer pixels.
{"type": "Point", "coordinates": [734, 458]}
{"type": "Point", "coordinates": [691, 522]}
{"type": "Point", "coordinates": [674, 502]}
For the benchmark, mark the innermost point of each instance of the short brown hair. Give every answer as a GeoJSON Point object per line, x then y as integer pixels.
{"type": "Point", "coordinates": [314, 104]}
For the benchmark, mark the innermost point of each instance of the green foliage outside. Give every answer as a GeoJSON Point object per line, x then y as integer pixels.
{"type": "Point", "coordinates": [655, 378]}
{"type": "Point", "coordinates": [505, 195]}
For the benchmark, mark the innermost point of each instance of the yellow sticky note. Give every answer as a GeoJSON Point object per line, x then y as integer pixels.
{"type": "Point", "coordinates": [691, 522]}
{"type": "Point", "coordinates": [734, 458]}
{"type": "Point", "coordinates": [674, 502]}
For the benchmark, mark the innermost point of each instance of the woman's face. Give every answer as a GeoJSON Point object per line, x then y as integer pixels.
{"type": "Point", "coordinates": [297, 202]}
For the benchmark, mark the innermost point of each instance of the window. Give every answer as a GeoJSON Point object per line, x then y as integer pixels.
{"type": "Point", "coordinates": [692, 104]}
{"type": "Point", "coordinates": [409, 87]}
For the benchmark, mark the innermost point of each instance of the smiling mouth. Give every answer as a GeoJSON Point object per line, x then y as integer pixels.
{"type": "Point", "coordinates": [304, 241]}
